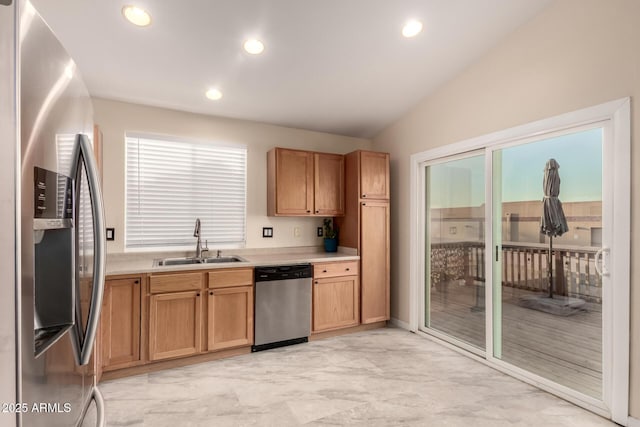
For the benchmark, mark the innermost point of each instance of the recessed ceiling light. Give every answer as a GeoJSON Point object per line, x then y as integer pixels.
{"type": "Point", "coordinates": [214, 94]}
{"type": "Point", "coordinates": [254, 46]}
{"type": "Point", "coordinates": [136, 16]}
{"type": "Point", "coordinates": [412, 28]}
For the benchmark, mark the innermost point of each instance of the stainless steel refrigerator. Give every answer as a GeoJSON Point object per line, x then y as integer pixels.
{"type": "Point", "coordinates": [59, 239]}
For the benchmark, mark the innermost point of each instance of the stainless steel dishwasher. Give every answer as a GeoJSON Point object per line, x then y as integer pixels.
{"type": "Point", "coordinates": [282, 305]}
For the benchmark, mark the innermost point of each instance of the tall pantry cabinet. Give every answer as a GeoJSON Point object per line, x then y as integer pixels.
{"type": "Point", "coordinates": [365, 226]}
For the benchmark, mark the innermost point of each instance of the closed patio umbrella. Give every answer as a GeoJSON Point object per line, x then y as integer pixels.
{"type": "Point", "coordinates": [552, 223]}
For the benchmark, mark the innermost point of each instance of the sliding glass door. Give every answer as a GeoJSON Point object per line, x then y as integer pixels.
{"type": "Point", "coordinates": [516, 256]}
{"type": "Point", "coordinates": [547, 288]}
{"type": "Point", "coordinates": [455, 222]}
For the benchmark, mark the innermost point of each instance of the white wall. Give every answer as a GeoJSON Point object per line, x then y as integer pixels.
{"type": "Point", "coordinates": [116, 118]}
{"type": "Point", "coordinates": [575, 54]}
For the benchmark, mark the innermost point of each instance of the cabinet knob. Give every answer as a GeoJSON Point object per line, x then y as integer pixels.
{"type": "Point", "coordinates": [210, 293]}
{"type": "Point", "coordinates": [198, 294]}
{"type": "Point", "coordinates": [308, 211]}
{"type": "Point", "coordinates": [364, 195]}
{"type": "Point", "coordinates": [317, 211]}
{"type": "Point", "coordinates": [347, 268]}
{"type": "Point", "coordinates": [364, 204]}
{"type": "Point", "coordinates": [316, 282]}
{"type": "Point", "coordinates": [324, 271]}
{"type": "Point", "coordinates": [136, 282]}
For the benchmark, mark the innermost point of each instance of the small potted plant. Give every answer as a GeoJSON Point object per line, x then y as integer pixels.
{"type": "Point", "coordinates": [330, 236]}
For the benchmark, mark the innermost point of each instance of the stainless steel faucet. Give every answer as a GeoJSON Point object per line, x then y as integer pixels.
{"type": "Point", "coordinates": [196, 233]}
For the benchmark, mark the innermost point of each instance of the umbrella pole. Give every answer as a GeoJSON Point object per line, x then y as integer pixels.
{"type": "Point", "coordinates": [550, 266]}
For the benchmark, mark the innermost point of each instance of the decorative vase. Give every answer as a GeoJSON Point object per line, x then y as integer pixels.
{"type": "Point", "coordinates": [331, 245]}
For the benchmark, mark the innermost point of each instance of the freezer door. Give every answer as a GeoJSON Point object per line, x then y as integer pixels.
{"type": "Point", "coordinates": [54, 107]}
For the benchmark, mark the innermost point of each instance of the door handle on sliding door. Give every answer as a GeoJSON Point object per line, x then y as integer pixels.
{"type": "Point", "coordinates": [600, 259]}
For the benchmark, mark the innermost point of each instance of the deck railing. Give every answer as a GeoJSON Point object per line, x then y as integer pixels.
{"type": "Point", "coordinates": [524, 266]}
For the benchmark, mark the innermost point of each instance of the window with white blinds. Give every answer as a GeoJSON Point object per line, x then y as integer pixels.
{"type": "Point", "coordinates": [65, 146]}
{"type": "Point", "coordinates": [171, 182]}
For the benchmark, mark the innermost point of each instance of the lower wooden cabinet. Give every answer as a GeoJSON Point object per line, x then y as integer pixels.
{"type": "Point", "coordinates": [175, 324]}
{"type": "Point", "coordinates": [335, 303]}
{"type": "Point", "coordinates": [374, 258]}
{"type": "Point", "coordinates": [179, 313]}
{"type": "Point", "coordinates": [336, 296]}
{"type": "Point", "coordinates": [230, 317]}
{"type": "Point", "coordinates": [120, 323]}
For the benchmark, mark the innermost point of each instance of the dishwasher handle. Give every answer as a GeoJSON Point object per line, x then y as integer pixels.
{"type": "Point", "coordinates": [282, 272]}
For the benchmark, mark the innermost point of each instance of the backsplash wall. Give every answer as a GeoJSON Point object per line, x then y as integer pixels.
{"type": "Point", "coordinates": [116, 118]}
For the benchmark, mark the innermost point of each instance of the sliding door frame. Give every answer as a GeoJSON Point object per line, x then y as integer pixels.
{"type": "Point", "coordinates": [614, 117]}
{"type": "Point", "coordinates": [422, 294]}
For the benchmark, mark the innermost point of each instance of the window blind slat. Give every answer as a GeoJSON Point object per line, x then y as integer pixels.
{"type": "Point", "coordinates": [171, 183]}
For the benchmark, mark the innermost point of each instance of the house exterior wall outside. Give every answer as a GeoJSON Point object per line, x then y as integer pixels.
{"type": "Point", "coordinates": [116, 118]}
{"type": "Point", "coordinates": [573, 55]}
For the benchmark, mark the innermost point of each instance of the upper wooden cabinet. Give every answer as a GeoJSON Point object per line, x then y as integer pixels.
{"type": "Point", "coordinates": [289, 182]}
{"type": "Point", "coordinates": [304, 183]}
{"type": "Point", "coordinates": [374, 175]}
{"type": "Point", "coordinates": [328, 184]}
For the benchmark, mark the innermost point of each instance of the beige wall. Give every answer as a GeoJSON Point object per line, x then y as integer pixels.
{"type": "Point", "coordinates": [116, 118]}
{"type": "Point", "coordinates": [575, 54]}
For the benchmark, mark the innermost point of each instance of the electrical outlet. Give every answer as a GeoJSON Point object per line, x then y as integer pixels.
{"type": "Point", "coordinates": [320, 232]}
{"type": "Point", "coordinates": [296, 231]}
{"type": "Point", "coordinates": [111, 234]}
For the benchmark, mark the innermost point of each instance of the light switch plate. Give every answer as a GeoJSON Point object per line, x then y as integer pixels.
{"type": "Point", "coordinates": [267, 232]}
{"type": "Point", "coordinates": [320, 232]}
{"type": "Point", "coordinates": [111, 234]}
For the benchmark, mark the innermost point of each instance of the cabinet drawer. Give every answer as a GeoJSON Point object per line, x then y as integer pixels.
{"type": "Point", "coordinates": [175, 283]}
{"type": "Point", "coordinates": [335, 269]}
{"type": "Point", "coordinates": [230, 277]}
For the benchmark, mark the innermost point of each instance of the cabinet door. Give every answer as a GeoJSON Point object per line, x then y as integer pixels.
{"type": "Point", "coordinates": [374, 258]}
{"type": "Point", "coordinates": [120, 326]}
{"type": "Point", "coordinates": [174, 324]}
{"type": "Point", "coordinates": [230, 320]}
{"type": "Point", "coordinates": [335, 303]}
{"type": "Point", "coordinates": [329, 184]}
{"type": "Point", "coordinates": [374, 175]}
{"type": "Point", "coordinates": [294, 182]}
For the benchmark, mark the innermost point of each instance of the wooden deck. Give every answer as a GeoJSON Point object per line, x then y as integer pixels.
{"type": "Point", "coordinates": [567, 350]}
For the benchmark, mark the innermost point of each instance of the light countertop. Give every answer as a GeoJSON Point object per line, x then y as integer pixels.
{"type": "Point", "coordinates": [138, 263]}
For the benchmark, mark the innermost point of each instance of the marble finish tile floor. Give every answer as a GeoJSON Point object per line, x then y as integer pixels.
{"type": "Point", "coordinates": [384, 377]}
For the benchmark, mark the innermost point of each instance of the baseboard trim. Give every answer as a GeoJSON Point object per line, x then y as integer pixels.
{"type": "Point", "coordinates": [173, 363]}
{"type": "Point", "coordinates": [399, 323]}
{"type": "Point", "coordinates": [337, 332]}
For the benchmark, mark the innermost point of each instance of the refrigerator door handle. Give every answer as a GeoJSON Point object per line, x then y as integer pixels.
{"type": "Point", "coordinates": [84, 152]}
{"type": "Point", "coordinates": [97, 397]}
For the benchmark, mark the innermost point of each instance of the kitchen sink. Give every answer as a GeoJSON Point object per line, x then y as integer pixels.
{"type": "Point", "coordinates": [222, 259]}
{"type": "Point", "coordinates": [189, 261]}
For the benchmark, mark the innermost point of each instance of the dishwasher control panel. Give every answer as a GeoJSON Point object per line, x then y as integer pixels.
{"type": "Point", "coordinates": [283, 272]}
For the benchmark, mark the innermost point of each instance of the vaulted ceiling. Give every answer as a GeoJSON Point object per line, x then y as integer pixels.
{"type": "Point", "coordinates": [338, 66]}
